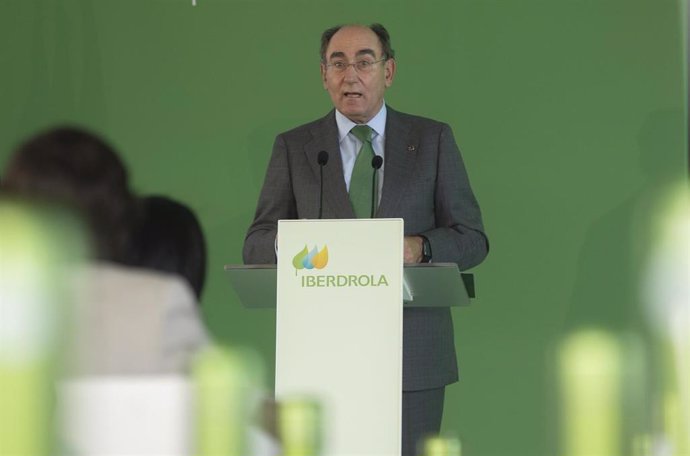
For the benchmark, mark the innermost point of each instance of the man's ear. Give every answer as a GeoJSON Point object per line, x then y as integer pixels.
{"type": "Point", "coordinates": [323, 76]}
{"type": "Point", "coordinates": [390, 72]}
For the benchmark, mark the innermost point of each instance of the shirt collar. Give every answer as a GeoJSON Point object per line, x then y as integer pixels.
{"type": "Point", "coordinates": [377, 123]}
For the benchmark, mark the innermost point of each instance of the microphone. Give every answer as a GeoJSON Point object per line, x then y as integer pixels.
{"type": "Point", "coordinates": [376, 163]}
{"type": "Point", "coordinates": [322, 160]}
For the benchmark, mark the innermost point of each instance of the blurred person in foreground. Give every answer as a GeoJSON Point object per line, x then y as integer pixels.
{"type": "Point", "coordinates": [137, 320]}
{"type": "Point", "coordinates": [168, 238]}
{"type": "Point", "coordinates": [424, 183]}
{"type": "Point", "coordinates": [127, 320]}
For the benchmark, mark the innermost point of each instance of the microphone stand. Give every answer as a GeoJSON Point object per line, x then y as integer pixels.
{"type": "Point", "coordinates": [376, 163]}
{"type": "Point", "coordinates": [322, 160]}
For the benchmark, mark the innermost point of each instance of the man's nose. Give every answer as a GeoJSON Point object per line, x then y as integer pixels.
{"type": "Point", "coordinates": [351, 74]}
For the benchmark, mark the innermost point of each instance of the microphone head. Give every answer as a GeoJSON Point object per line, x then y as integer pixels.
{"type": "Point", "coordinates": [376, 162]}
{"type": "Point", "coordinates": [322, 158]}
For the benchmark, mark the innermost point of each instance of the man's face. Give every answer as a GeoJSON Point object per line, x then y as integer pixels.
{"type": "Point", "coordinates": [356, 94]}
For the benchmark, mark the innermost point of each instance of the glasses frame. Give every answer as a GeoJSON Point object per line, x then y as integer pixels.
{"type": "Point", "coordinates": [369, 67]}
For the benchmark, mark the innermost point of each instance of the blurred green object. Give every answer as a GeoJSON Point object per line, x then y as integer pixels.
{"type": "Point", "coordinates": [590, 375]}
{"type": "Point", "coordinates": [38, 247]}
{"type": "Point", "coordinates": [642, 445]}
{"type": "Point", "coordinates": [667, 293]}
{"type": "Point", "coordinates": [225, 383]}
{"type": "Point", "coordinates": [300, 426]}
{"type": "Point", "coordinates": [441, 446]}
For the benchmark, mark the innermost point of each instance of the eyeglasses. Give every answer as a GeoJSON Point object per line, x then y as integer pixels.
{"type": "Point", "coordinates": [361, 66]}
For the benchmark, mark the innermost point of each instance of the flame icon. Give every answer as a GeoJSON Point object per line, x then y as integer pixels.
{"type": "Point", "coordinates": [306, 259]}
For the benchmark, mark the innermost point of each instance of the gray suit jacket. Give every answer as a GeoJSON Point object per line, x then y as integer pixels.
{"type": "Point", "coordinates": [425, 183]}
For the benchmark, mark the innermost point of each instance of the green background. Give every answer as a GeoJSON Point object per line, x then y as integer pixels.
{"type": "Point", "coordinates": [570, 115]}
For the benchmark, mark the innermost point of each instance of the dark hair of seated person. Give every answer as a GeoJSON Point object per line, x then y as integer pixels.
{"type": "Point", "coordinates": [73, 168]}
{"type": "Point", "coordinates": [168, 238]}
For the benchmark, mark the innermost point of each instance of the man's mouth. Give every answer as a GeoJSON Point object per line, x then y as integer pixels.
{"type": "Point", "coordinates": [353, 94]}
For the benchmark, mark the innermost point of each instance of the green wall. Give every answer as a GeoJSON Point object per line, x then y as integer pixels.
{"type": "Point", "coordinates": [569, 113]}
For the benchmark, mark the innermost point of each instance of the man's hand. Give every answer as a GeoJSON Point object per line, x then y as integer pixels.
{"type": "Point", "coordinates": [413, 249]}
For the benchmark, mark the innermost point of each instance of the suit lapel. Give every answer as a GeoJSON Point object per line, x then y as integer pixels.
{"type": "Point", "coordinates": [325, 137]}
{"type": "Point", "coordinates": [400, 156]}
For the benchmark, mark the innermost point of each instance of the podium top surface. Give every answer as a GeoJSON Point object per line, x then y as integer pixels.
{"type": "Point", "coordinates": [425, 285]}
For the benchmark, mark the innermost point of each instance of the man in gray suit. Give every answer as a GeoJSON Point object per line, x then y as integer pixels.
{"type": "Point", "coordinates": [423, 181]}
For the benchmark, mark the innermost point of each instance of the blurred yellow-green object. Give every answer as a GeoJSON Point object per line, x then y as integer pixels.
{"type": "Point", "coordinates": [667, 294]}
{"type": "Point", "coordinates": [441, 446]}
{"type": "Point", "coordinates": [225, 383]}
{"type": "Point", "coordinates": [299, 426]}
{"type": "Point", "coordinates": [642, 445]}
{"type": "Point", "coordinates": [590, 367]}
{"type": "Point", "coordinates": [38, 246]}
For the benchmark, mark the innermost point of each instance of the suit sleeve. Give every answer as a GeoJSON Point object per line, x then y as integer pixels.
{"type": "Point", "coordinates": [458, 236]}
{"type": "Point", "coordinates": [276, 202]}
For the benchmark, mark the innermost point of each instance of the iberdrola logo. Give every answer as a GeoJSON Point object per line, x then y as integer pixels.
{"type": "Point", "coordinates": [306, 259]}
{"type": "Point", "coordinates": [318, 259]}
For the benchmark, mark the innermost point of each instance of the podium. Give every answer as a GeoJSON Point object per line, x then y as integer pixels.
{"type": "Point", "coordinates": [339, 290]}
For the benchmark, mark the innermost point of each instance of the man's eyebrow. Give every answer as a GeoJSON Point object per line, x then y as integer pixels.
{"type": "Point", "coordinates": [361, 52]}
{"type": "Point", "coordinates": [366, 52]}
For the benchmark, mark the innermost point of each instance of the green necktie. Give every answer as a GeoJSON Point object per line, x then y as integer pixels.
{"type": "Point", "coordinates": [362, 173]}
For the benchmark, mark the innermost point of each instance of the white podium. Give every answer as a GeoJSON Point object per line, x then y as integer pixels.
{"type": "Point", "coordinates": [339, 328]}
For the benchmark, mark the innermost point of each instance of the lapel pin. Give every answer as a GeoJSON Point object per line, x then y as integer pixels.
{"type": "Point", "coordinates": [411, 148]}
